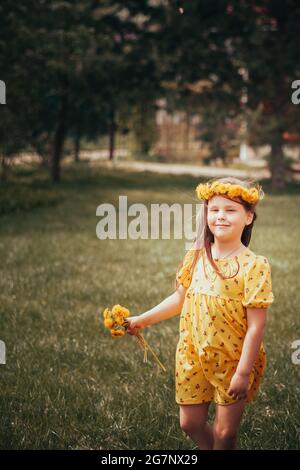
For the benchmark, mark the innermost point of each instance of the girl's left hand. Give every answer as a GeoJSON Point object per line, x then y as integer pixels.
{"type": "Point", "coordinates": [239, 386]}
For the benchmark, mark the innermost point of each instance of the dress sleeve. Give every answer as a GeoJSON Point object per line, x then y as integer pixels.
{"type": "Point", "coordinates": [258, 285]}
{"type": "Point", "coordinates": [184, 275]}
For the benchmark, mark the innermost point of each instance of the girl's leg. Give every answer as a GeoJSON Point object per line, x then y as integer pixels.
{"type": "Point", "coordinates": [226, 424]}
{"type": "Point", "coordinates": [193, 421]}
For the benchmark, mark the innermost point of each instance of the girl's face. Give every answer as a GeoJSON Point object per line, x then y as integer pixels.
{"type": "Point", "coordinates": [226, 218]}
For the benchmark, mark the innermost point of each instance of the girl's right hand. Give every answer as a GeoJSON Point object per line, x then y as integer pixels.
{"type": "Point", "coordinates": [135, 325]}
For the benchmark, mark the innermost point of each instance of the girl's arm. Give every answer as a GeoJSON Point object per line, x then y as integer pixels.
{"type": "Point", "coordinates": [168, 308]}
{"type": "Point", "coordinates": [256, 318]}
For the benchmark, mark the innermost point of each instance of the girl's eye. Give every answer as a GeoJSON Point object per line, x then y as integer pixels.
{"type": "Point", "coordinates": [216, 210]}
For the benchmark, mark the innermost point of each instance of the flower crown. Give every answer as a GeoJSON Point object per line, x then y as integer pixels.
{"type": "Point", "coordinates": [208, 190]}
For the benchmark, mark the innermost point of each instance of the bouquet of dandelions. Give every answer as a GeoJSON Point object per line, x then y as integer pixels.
{"type": "Point", "coordinates": [115, 321]}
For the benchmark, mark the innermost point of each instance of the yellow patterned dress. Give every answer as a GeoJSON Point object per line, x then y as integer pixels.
{"type": "Point", "coordinates": [213, 324]}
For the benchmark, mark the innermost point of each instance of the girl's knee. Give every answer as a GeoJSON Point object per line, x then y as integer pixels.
{"type": "Point", "coordinates": [193, 418]}
{"type": "Point", "coordinates": [189, 426]}
{"type": "Point", "coordinates": [225, 433]}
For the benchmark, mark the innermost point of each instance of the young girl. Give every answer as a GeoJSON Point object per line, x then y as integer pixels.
{"type": "Point", "coordinates": [223, 290]}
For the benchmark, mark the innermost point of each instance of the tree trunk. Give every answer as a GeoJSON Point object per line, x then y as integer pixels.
{"type": "Point", "coordinates": [77, 145]}
{"type": "Point", "coordinates": [277, 166]}
{"type": "Point", "coordinates": [112, 130]}
{"type": "Point", "coordinates": [59, 139]}
{"type": "Point", "coordinates": [3, 176]}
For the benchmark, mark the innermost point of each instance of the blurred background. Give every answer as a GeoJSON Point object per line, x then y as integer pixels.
{"type": "Point", "coordinates": [197, 82]}
{"type": "Point", "coordinates": [144, 98]}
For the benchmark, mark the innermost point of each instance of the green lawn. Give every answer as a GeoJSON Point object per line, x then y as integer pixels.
{"type": "Point", "coordinates": [67, 384]}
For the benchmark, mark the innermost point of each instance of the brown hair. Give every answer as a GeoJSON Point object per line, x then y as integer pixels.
{"type": "Point", "coordinates": [208, 237]}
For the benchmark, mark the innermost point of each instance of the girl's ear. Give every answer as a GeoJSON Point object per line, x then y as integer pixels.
{"type": "Point", "coordinates": [250, 216]}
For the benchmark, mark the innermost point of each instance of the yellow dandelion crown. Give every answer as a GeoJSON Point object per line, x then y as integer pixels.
{"type": "Point", "coordinates": [208, 190]}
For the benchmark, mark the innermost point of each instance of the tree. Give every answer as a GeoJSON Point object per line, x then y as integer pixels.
{"type": "Point", "coordinates": [270, 53]}
{"type": "Point", "coordinates": [217, 42]}
{"type": "Point", "coordinates": [79, 60]}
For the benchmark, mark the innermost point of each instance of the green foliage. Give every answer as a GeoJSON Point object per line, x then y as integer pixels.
{"type": "Point", "coordinates": [73, 68]}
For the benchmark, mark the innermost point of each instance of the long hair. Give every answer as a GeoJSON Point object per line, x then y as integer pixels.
{"type": "Point", "coordinates": [204, 237]}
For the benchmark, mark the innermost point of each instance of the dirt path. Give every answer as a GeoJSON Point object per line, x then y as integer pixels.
{"type": "Point", "coordinates": [99, 159]}
{"type": "Point", "coordinates": [182, 169]}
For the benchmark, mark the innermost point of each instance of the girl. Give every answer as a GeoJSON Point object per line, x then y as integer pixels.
{"type": "Point", "coordinates": [223, 290]}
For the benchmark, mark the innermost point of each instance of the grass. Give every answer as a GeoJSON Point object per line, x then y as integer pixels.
{"type": "Point", "coordinates": [66, 383]}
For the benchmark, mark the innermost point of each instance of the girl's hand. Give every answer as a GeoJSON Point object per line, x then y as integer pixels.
{"type": "Point", "coordinates": [239, 386]}
{"type": "Point", "coordinates": [135, 325]}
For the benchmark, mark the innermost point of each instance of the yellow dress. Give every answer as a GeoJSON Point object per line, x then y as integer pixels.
{"type": "Point", "coordinates": [213, 324]}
